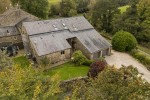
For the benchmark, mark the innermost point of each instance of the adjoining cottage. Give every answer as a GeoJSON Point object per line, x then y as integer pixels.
{"type": "Point", "coordinates": [10, 26]}
{"type": "Point", "coordinates": [57, 39]}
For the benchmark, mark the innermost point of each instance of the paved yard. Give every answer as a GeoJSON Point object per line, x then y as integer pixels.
{"type": "Point", "coordinates": [119, 59]}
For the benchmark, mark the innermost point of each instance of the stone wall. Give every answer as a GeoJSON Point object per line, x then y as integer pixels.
{"type": "Point", "coordinates": [7, 40]}
{"type": "Point", "coordinates": [81, 47]}
{"type": "Point", "coordinates": [57, 56]}
{"type": "Point", "coordinates": [53, 57]}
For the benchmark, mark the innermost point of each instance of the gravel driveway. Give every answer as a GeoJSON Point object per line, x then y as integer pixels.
{"type": "Point", "coordinates": [119, 58]}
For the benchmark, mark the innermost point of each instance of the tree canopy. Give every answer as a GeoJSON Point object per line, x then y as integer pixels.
{"type": "Point", "coordinates": [124, 41]}
{"type": "Point", "coordinates": [103, 14]}
{"type": "Point", "coordinates": [113, 84]}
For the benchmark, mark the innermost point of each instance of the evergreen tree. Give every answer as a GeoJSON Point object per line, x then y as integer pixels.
{"type": "Point", "coordinates": [68, 8]}
{"type": "Point", "coordinates": [104, 13]}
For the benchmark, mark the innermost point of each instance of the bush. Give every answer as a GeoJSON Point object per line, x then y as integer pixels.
{"type": "Point", "coordinates": [78, 58]}
{"type": "Point", "coordinates": [124, 41]}
{"type": "Point", "coordinates": [72, 12]}
{"type": "Point", "coordinates": [88, 62]}
{"type": "Point", "coordinates": [96, 67]}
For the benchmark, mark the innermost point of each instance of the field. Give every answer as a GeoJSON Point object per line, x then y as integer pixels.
{"type": "Point", "coordinates": [68, 71]}
{"type": "Point", "coordinates": [123, 8]}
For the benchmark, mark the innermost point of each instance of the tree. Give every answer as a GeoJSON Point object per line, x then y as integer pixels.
{"type": "Point", "coordinates": [38, 8]}
{"type": "Point", "coordinates": [19, 83]}
{"type": "Point", "coordinates": [68, 8]}
{"type": "Point", "coordinates": [130, 20]}
{"type": "Point", "coordinates": [144, 17]}
{"type": "Point", "coordinates": [96, 67]}
{"type": "Point", "coordinates": [78, 58]}
{"type": "Point", "coordinates": [124, 41]}
{"type": "Point", "coordinates": [4, 5]}
{"type": "Point", "coordinates": [103, 14]}
{"type": "Point", "coordinates": [54, 10]}
{"type": "Point", "coordinates": [113, 84]}
{"type": "Point", "coordinates": [82, 6]}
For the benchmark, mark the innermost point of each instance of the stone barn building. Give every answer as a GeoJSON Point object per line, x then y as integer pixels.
{"type": "Point", "coordinates": [57, 39]}
{"type": "Point", "coordinates": [11, 25]}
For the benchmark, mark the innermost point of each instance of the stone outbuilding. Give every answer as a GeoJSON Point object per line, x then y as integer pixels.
{"type": "Point", "coordinates": [11, 25]}
{"type": "Point", "coordinates": [57, 39]}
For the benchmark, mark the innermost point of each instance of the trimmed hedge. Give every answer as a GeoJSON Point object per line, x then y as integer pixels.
{"type": "Point", "coordinates": [124, 41]}
{"type": "Point", "coordinates": [141, 57]}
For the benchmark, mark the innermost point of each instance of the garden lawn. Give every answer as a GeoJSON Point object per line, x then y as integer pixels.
{"type": "Point", "coordinates": [123, 8]}
{"type": "Point", "coordinates": [22, 61]}
{"type": "Point", "coordinates": [68, 71]}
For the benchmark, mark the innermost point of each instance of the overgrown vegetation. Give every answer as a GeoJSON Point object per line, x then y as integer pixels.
{"type": "Point", "coordinates": [113, 84]}
{"type": "Point", "coordinates": [123, 41]}
{"type": "Point", "coordinates": [18, 83]}
{"type": "Point", "coordinates": [142, 57]}
{"type": "Point", "coordinates": [5, 62]}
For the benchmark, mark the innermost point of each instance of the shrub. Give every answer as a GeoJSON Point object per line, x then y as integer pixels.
{"type": "Point", "coordinates": [78, 58]}
{"type": "Point", "coordinates": [96, 67]}
{"type": "Point", "coordinates": [123, 41]}
{"type": "Point", "coordinates": [88, 62]}
{"type": "Point", "coordinates": [72, 12]}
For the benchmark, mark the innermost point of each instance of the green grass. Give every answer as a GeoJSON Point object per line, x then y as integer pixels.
{"type": "Point", "coordinates": [22, 61]}
{"type": "Point", "coordinates": [123, 8]}
{"type": "Point", "coordinates": [54, 1]}
{"type": "Point", "coordinates": [68, 71]}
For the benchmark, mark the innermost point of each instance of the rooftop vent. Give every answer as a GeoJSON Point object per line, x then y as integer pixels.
{"type": "Point", "coordinates": [75, 28]}
{"type": "Point", "coordinates": [64, 25]}
{"type": "Point", "coordinates": [35, 42]}
{"type": "Point", "coordinates": [55, 27]}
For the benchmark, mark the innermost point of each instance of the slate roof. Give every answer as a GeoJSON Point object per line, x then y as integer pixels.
{"type": "Point", "coordinates": [8, 31]}
{"type": "Point", "coordinates": [13, 16]}
{"type": "Point", "coordinates": [73, 24]}
{"type": "Point", "coordinates": [46, 39]}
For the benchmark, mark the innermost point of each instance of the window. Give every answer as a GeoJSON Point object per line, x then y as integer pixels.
{"type": "Point", "coordinates": [62, 52]}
